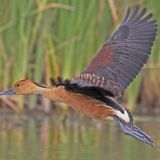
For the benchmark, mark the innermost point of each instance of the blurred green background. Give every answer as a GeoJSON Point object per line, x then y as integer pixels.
{"type": "Point", "coordinates": [40, 39]}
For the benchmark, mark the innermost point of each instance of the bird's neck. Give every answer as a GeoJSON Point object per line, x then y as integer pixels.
{"type": "Point", "coordinates": [58, 94]}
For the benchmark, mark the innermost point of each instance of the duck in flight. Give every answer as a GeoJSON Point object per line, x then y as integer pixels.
{"type": "Point", "coordinates": [95, 90]}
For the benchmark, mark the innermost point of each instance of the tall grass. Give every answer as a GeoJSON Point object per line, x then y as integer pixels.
{"type": "Point", "coordinates": [48, 38]}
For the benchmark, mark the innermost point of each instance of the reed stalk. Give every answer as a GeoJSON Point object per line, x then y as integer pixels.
{"type": "Point", "coordinates": [48, 38]}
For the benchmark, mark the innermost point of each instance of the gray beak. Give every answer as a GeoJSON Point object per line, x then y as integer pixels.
{"type": "Point", "coordinates": [8, 92]}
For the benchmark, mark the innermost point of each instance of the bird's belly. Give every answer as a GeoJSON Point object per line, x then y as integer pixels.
{"type": "Point", "coordinates": [84, 104]}
{"type": "Point", "coordinates": [91, 107]}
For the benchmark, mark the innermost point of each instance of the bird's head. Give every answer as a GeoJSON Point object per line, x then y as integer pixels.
{"type": "Point", "coordinates": [24, 87]}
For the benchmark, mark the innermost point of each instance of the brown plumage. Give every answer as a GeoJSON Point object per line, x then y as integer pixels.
{"type": "Point", "coordinates": [107, 76]}
{"type": "Point", "coordinates": [84, 104]}
{"type": "Point", "coordinates": [87, 105]}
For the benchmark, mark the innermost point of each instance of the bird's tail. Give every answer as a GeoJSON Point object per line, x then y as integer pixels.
{"type": "Point", "coordinates": [129, 128]}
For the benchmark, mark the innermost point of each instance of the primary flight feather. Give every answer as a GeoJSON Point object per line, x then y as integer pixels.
{"type": "Point", "coordinates": [122, 56]}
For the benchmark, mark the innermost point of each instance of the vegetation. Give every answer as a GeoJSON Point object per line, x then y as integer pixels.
{"type": "Point", "coordinates": [48, 38]}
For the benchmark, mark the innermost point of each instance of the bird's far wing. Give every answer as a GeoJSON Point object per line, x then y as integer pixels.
{"type": "Point", "coordinates": [123, 55]}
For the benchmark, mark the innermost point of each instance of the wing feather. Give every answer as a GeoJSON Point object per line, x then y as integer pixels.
{"type": "Point", "coordinates": [123, 55]}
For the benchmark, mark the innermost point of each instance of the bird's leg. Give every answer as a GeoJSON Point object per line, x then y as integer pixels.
{"type": "Point", "coordinates": [129, 128]}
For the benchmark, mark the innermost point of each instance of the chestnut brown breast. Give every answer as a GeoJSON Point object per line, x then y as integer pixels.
{"type": "Point", "coordinates": [81, 103]}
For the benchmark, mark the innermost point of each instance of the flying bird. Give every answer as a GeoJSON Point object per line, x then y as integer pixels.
{"type": "Point", "coordinates": [95, 91]}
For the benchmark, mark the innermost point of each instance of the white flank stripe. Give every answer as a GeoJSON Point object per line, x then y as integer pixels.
{"type": "Point", "coordinates": [123, 116]}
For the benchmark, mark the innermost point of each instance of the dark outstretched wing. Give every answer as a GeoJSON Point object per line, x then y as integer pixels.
{"type": "Point", "coordinates": [122, 56]}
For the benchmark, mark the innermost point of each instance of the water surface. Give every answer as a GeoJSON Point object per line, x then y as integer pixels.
{"type": "Point", "coordinates": [46, 139]}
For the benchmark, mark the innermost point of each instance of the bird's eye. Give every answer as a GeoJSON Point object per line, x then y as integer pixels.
{"type": "Point", "coordinates": [17, 85]}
